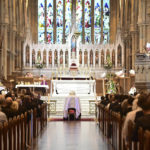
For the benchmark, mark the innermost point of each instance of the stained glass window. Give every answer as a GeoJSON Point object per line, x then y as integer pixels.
{"type": "Point", "coordinates": [46, 13]}
{"type": "Point", "coordinates": [49, 21]}
{"type": "Point", "coordinates": [106, 18]}
{"type": "Point", "coordinates": [41, 21]}
{"type": "Point", "coordinates": [97, 21]}
{"type": "Point", "coordinates": [59, 21]}
{"type": "Point", "coordinates": [79, 15]}
{"type": "Point", "coordinates": [87, 21]}
{"type": "Point", "coordinates": [68, 5]}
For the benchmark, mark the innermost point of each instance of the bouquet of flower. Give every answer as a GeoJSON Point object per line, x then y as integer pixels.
{"type": "Point", "coordinates": [108, 63]}
{"type": "Point", "coordinates": [39, 65]}
{"type": "Point", "coordinates": [111, 89]}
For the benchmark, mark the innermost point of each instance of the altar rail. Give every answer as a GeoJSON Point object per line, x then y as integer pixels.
{"type": "Point", "coordinates": [111, 125]}
{"type": "Point", "coordinates": [19, 132]}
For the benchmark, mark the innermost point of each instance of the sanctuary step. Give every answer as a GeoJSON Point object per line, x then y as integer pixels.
{"type": "Point", "coordinates": [56, 105]}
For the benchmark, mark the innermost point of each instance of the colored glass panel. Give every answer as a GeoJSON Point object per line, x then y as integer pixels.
{"type": "Point", "coordinates": [41, 21]}
{"type": "Point", "coordinates": [68, 5]}
{"type": "Point", "coordinates": [87, 14]}
{"type": "Point", "coordinates": [97, 21]}
{"type": "Point", "coordinates": [79, 15]}
{"type": "Point", "coordinates": [106, 20]}
{"type": "Point", "coordinates": [49, 21]}
{"type": "Point", "coordinates": [59, 20]}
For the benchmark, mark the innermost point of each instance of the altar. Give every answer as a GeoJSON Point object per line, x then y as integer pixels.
{"type": "Point", "coordinates": [84, 88]}
{"type": "Point", "coordinates": [61, 88]}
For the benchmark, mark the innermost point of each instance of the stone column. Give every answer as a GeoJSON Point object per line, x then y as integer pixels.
{"type": "Point", "coordinates": [99, 58]}
{"type": "Point", "coordinates": [52, 58]}
{"type": "Point", "coordinates": [5, 43]}
{"type": "Point", "coordinates": [58, 61]}
{"type": "Point", "coordinates": [88, 58]}
{"type": "Point", "coordinates": [142, 25]}
{"type": "Point", "coordinates": [64, 59]}
{"type": "Point", "coordinates": [47, 56]}
{"type": "Point", "coordinates": [42, 55]}
{"type": "Point", "coordinates": [83, 58]}
{"type": "Point", "coordinates": [4, 52]}
{"type": "Point", "coordinates": [19, 54]}
{"type": "Point", "coordinates": [94, 59]}
{"type": "Point", "coordinates": [30, 51]}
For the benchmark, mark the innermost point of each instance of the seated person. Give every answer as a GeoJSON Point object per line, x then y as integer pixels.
{"type": "Point", "coordinates": [29, 74]}
{"type": "Point", "coordinates": [144, 120]}
{"type": "Point", "coordinates": [72, 102]}
{"type": "Point", "coordinates": [43, 80]}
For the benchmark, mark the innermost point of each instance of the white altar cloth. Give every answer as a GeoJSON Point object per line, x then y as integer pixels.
{"type": "Point", "coordinates": [77, 106]}
{"type": "Point", "coordinates": [81, 87]}
{"type": "Point", "coordinates": [32, 85]}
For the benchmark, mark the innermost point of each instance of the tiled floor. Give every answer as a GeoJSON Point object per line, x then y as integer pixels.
{"type": "Point", "coordinates": [73, 135]}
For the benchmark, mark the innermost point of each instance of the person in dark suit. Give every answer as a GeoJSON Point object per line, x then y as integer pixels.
{"type": "Point", "coordinates": [144, 120]}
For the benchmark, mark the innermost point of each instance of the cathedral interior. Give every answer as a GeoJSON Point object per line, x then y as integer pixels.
{"type": "Point", "coordinates": [87, 48]}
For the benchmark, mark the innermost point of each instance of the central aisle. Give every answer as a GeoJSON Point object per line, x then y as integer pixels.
{"type": "Point", "coordinates": [71, 135]}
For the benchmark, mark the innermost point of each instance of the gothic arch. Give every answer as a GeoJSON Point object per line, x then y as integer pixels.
{"type": "Point", "coordinates": [27, 55]}
{"type": "Point", "coordinates": [33, 57]}
{"type": "Point", "coordinates": [119, 56]}
{"type": "Point", "coordinates": [102, 58]}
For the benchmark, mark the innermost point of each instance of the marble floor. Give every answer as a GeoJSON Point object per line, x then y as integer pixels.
{"type": "Point", "coordinates": [71, 135]}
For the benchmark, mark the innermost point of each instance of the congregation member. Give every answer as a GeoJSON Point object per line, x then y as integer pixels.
{"type": "Point", "coordinates": [133, 115]}
{"type": "Point", "coordinates": [72, 102]}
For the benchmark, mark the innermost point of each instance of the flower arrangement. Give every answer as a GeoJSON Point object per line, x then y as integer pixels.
{"type": "Point", "coordinates": [39, 65]}
{"type": "Point", "coordinates": [111, 89]}
{"type": "Point", "coordinates": [108, 63]}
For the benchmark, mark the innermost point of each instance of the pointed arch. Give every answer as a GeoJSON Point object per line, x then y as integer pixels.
{"type": "Point", "coordinates": [119, 56]}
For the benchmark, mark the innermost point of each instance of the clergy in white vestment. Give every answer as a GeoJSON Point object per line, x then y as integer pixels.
{"type": "Point", "coordinates": [72, 101]}
{"type": "Point", "coordinates": [132, 90]}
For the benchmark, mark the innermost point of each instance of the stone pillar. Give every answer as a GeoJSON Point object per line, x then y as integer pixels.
{"type": "Point", "coordinates": [88, 58]}
{"type": "Point", "coordinates": [52, 58]}
{"type": "Point", "coordinates": [19, 54]}
{"type": "Point", "coordinates": [142, 25]}
{"type": "Point", "coordinates": [47, 56]}
{"type": "Point", "coordinates": [58, 61]}
{"type": "Point", "coordinates": [42, 55]}
{"type": "Point", "coordinates": [4, 52]}
{"type": "Point", "coordinates": [99, 58]}
{"type": "Point", "coordinates": [83, 58]}
{"type": "Point", "coordinates": [30, 51]}
{"type": "Point", "coordinates": [64, 59]}
{"type": "Point", "coordinates": [94, 59]}
{"type": "Point", "coordinates": [5, 36]}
